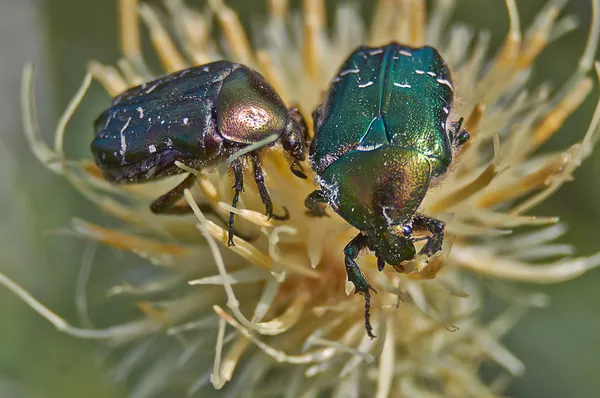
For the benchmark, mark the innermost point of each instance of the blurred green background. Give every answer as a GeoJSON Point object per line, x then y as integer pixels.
{"type": "Point", "coordinates": [559, 345]}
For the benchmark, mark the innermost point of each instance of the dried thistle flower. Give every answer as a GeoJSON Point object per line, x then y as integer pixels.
{"type": "Point", "coordinates": [277, 304]}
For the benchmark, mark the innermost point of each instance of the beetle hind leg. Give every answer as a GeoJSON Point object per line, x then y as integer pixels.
{"type": "Point", "coordinates": [357, 277]}
{"type": "Point", "coordinates": [259, 178]}
{"type": "Point", "coordinates": [166, 204]}
{"type": "Point", "coordinates": [435, 228]}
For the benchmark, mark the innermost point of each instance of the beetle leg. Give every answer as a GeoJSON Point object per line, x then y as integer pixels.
{"type": "Point", "coordinates": [299, 118]}
{"type": "Point", "coordinates": [313, 203]}
{"type": "Point", "coordinates": [166, 204]}
{"type": "Point", "coordinates": [433, 226]}
{"type": "Point", "coordinates": [317, 117]}
{"type": "Point", "coordinates": [357, 277]}
{"type": "Point", "coordinates": [259, 178]}
{"type": "Point", "coordinates": [292, 138]}
{"type": "Point", "coordinates": [238, 187]}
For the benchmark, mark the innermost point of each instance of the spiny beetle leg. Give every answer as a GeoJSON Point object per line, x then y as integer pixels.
{"type": "Point", "coordinates": [296, 167]}
{"type": "Point", "coordinates": [166, 204]}
{"type": "Point", "coordinates": [237, 167]}
{"type": "Point", "coordinates": [357, 277]}
{"type": "Point", "coordinates": [317, 117]}
{"type": "Point", "coordinates": [207, 208]}
{"type": "Point", "coordinates": [314, 203]}
{"type": "Point", "coordinates": [435, 228]}
{"type": "Point", "coordinates": [299, 118]}
{"type": "Point", "coordinates": [259, 178]}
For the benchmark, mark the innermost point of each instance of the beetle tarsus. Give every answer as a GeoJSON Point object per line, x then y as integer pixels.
{"type": "Point", "coordinates": [263, 191]}
{"type": "Point", "coordinates": [368, 326]}
{"type": "Point", "coordinates": [166, 204]}
{"type": "Point", "coordinates": [238, 187]}
{"type": "Point", "coordinates": [314, 202]}
{"type": "Point", "coordinates": [357, 277]}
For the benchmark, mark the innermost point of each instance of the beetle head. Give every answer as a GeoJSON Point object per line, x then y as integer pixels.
{"type": "Point", "coordinates": [393, 244]}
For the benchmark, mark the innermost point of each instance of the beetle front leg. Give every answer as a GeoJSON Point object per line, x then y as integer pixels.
{"type": "Point", "coordinates": [435, 228]}
{"type": "Point", "coordinates": [259, 178]}
{"type": "Point", "coordinates": [318, 117]}
{"type": "Point", "coordinates": [166, 204]}
{"type": "Point", "coordinates": [297, 144]}
{"type": "Point", "coordinates": [357, 277]}
{"type": "Point", "coordinates": [238, 173]}
{"type": "Point", "coordinates": [314, 203]}
{"type": "Point", "coordinates": [299, 118]}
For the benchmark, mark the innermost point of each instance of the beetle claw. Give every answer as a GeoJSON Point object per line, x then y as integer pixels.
{"type": "Point", "coordinates": [297, 170]}
{"type": "Point", "coordinates": [367, 290]}
{"type": "Point", "coordinates": [380, 263]}
{"type": "Point", "coordinates": [285, 217]}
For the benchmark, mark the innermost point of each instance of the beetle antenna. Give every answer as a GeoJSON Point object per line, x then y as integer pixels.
{"type": "Point", "coordinates": [458, 127]}
{"type": "Point", "coordinates": [459, 124]}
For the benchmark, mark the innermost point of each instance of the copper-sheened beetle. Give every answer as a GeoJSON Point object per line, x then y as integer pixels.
{"type": "Point", "coordinates": [199, 116]}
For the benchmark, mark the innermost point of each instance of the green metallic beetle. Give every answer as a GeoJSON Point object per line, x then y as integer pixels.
{"type": "Point", "coordinates": [381, 136]}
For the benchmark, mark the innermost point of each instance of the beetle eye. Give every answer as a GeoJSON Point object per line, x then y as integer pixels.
{"type": "Point", "coordinates": [463, 137]}
{"type": "Point", "coordinates": [407, 229]}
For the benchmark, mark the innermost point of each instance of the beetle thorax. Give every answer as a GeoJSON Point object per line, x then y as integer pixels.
{"type": "Point", "coordinates": [248, 109]}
